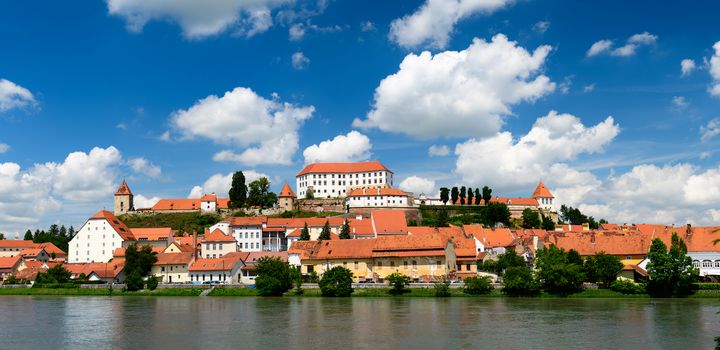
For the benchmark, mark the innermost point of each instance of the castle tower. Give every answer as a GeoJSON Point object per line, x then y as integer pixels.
{"type": "Point", "coordinates": [544, 197]}
{"type": "Point", "coordinates": [286, 198]}
{"type": "Point", "coordinates": [123, 200]}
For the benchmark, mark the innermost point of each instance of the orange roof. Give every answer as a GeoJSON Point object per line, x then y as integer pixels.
{"type": "Point", "coordinates": [116, 224]}
{"type": "Point", "coordinates": [51, 248]}
{"type": "Point", "coordinates": [151, 234]}
{"type": "Point", "coordinates": [410, 242]}
{"type": "Point", "coordinates": [306, 249]}
{"type": "Point", "coordinates": [361, 227]}
{"type": "Point", "coordinates": [376, 191]}
{"type": "Point", "coordinates": [31, 252]}
{"type": "Point", "coordinates": [30, 273]}
{"type": "Point", "coordinates": [123, 189]}
{"type": "Point", "coordinates": [516, 201]}
{"type": "Point", "coordinates": [187, 204]}
{"type": "Point", "coordinates": [286, 191]}
{"type": "Point", "coordinates": [16, 243]}
{"type": "Point", "coordinates": [248, 220]}
{"type": "Point", "coordinates": [346, 249]}
{"type": "Point", "coordinates": [183, 258]}
{"type": "Point", "coordinates": [593, 242]}
{"type": "Point", "coordinates": [344, 168]}
{"type": "Point", "coordinates": [389, 221]}
{"type": "Point", "coordinates": [184, 240]}
{"type": "Point", "coordinates": [9, 262]}
{"type": "Point", "coordinates": [300, 222]}
{"type": "Point", "coordinates": [542, 192]}
{"type": "Point", "coordinates": [697, 239]}
{"type": "Point", "coordinates": [120, 252]}
{"type": "Point", "coordinates": [218, 236]}
{"type": "Point", "coordinates": [209, 197]}
{"type": "Point", "coordinates": [252, 257]}
{"type": "Point", "coordinates": [226, 263]}
{"type": "Point", "coordinates": [497, 237]}
{"type": "Point", "coordinates": [103, 270]}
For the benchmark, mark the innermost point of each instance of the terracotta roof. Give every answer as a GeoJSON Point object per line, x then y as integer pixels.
{"type": "Point", "coordinates": [593, 242]}
{"type": "Point", "coordinates": [30, 273]}
{"type": "Point", "coordinates": [186, 204]}
{"type": "Point", "coordinates": [490, 238]}
{"type": "Point", "coordinates": [252, 257]}
{"type": "Point", "coordinates": [286, 191]}
{"type": "Point", "coordinates": [346, 248]}
{"type": "Point", "coordinates": [637, 269]}
{"type": "Point", "coordinates": [542, 192]}
{"type": "Point", "coordinates": [120, 252]}
{"type": "Point", "coordinates": [344, 168]}
{"type": "Point", "coordinates": [209, 198]}
{"type": "Point", "coordinates": [103, 270]}
{"type": "Point", "coordinates": [516, 201]}
{"type": "Point", "coordinates": [306, 249]}
{"type": "Point", "coordinates": [362, 227]}
{"type": "Point", "coordinates": [151, 234]}
{"type": "Point", "coordinates": [123, 189]}
{"type": "Point", "coordinates": [184, 240]}
{"type": "Point", "coordinates": [697, 239]}
{"type": "Point", "coordinates": [16, 243]}
{"type": "Point", "coordinates": [218, 236]}
{"type": "Point", "coordinates": [51, 248]}
{"type": "Point", "coordinates": [300, 222]}
{"type": "Point", "coordinates": [410, 242]}
{"type": "Point", "coordinates": [389, 221]}
{"type": "Point", "coordinates": [226, 263]}
{"type": "Point", "coordinates": [609, 226]}
{"type": "Point", "coordinates": [10, 262]}
{"type": "Point", "coordinates": [183, 258]}
{"type": "Point", "coordinates": [31, 252]}
{"type": "Point", "coordinates": [376, 191]}
{"type": "Point", "coordinates": [248, 220]}
{"type": "Point", "coordinates": [116, 224]}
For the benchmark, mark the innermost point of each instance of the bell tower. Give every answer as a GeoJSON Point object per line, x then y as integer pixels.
{"type": "Point", "coordinates": [123, 200]}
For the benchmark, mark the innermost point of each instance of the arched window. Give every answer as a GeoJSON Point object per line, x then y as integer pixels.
{"type": "Point", "coordinates": [717, 263]}
{"type": "Point", "coordinates": [696, 263]}
{"type": "Point", "coordinates": [707, 263]}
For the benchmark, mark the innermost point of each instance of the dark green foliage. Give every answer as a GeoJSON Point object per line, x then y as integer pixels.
{"type": "Point", "coordinates": [28, 235]}
{"type": "Point", "coordinates": [627, 287]}
{"type": "Point", "coordinates": [139, 260]}
{"type": "Point", "coordinates": [478, 197]}
{"type": "Point", "coordinates": [509, 259]}
{"type": "Point", "coordinates": [310, 194]}
{"type": "Point", "coordinates": [336, 282]}
{"type": "Point", "coordinates": [56, 235]}
{"type": "Point", "coordinates": [454, 194]}
{"type": "Point", "coordinates": [297, 279]}
{"type": "Point", "coordinates": [325, 233]}
{"type": "Point", "coordinates": [442, 289]}
{"type": "Point", "coordinates": [345, 230]}
{"type": "Point", "coordinates": [602, 268]}
{"type": "Point", "coordinates": [547, 223]}
{"type": "Point", "coordinates": [182, 222]}
{"type": "Point", "coordinates": [469, 196]}
{"type": "Point", "coordinates": [305, 233]}
{"type": "Point", "coordinates": [133, 281]}
{"type": "Point", "coordinates": [593, 224]}
{"type": "Point", "coordinates": [518, 281]}
{"type": "Point", "coordinates": [398, 283]}
{"type": "Point", "coordinates": [442, 219]}
{"type": "Point", "coordinates": [530, 219]}
{"type": "Point", "coordinates": [260, 194]}
{"type": "Point", "coordinates": [444, 195]}
{"type": "Point", "coordinates": [152, 282]}
{"type": "Point", "coordinates": [463, 194]}
{"type": "Point", "coordinates": [273, 276]}
{"type": "Point", "coordinates": [238, 190]}
{"type": "Point", "coordinates": [573, 216]}
{"type": "Point", "coordinates": [573, 257]}
{"type": "Point", "coordinates": [55, 274]}
{"type": "Point", "coordinates": [671, 271]}
{"type": "Point", "coordinates": [496, 213]}
{"type": "Point", "coordinates": [477, 285]}
{"type": "Point", "coordinates": [486, 194]}
{"type": "Point", "coordinates": [558, 271]}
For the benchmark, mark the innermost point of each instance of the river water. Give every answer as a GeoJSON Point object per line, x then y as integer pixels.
{"type": "Point", "coordinates": [355, 323]}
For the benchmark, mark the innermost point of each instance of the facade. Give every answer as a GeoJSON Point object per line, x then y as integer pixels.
{"type": "Point", "coordinates": [12, 247]}
{"type": "Point", "coordinates": [97, 239]}
{"type": "Point", "coordinates": [248, 231]}
{"type": "Point", "coordinates": [544, 197]}
{"type": "Point", "coordinates": [224, 270]}
{"type": "Point", "coordinates": [173, 267]}
{"type": "Point", "coordinates": [286, 198]}
{"type": "Point", "coordinates": [217, 244]}
{"type": "Point", "coordinates": [332, 180]}
{"type": "Point", "coordinates": [377, 197]}
{"type": "Point", "coordinates": [123, 200]}
{"type": "Point", "coordinates": [250, 259]}
{"type": "Point", "coordinates": [207, 204]}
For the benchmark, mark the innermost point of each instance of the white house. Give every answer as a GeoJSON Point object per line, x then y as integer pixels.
{"type": "Point", "coordinates": [544, 197]}
{"type": "Point", "coordinates": [217, 244]}
{"type": "Point", "coordinates": [223, 270]}
{"type": "Point", "coordinates": [329, 180]}
{"type": "Point", "coordinates": [377, 197]}
{"type": "Point", "coordinates": [98, 238]}
{"type": "Point", "coordinates": [247, 231]}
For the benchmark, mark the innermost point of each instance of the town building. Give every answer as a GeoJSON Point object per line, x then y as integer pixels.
{"type": "Point", "coordinates": [123, 200]}
{"type": "Point", "coordinates": [375, 197]}
{"type": "Point", "coordinates": [209, 203]}
{"type": "Point", "coordinates": [332, 180]}
{"type": "Point", "coordinates": [249, 261]}
{"type": "Point", "coordinates": [173, 267]}
{"type": "Point", "coordinates": [217, 244]}
{"type": "Point", "coordinates": [217, 270]}
{"type": "Point", "coordinates": [286, 198]}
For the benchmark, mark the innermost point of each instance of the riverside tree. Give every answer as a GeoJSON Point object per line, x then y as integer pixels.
{"type": "Point", "coordinates": [138, 263]}
{"type": "Point", "coordinates": [274, 277]}
{"type": "Point", "coordinates": [518, 281]}
{"type": "Point", "coordinates": [398, 283]}
{"type": "Point", "coordinates": [336, 282]}
{"type": "Point", "coordinates": [602, 268]}
{"type": "Point", "coordinates": [238, 190]}
{"type": "Point", "coordinates": [477, 285]}
{"type": "Point", "coordinates": [559, 271]}
{"type": "Point", "coordinates": [671, 271]}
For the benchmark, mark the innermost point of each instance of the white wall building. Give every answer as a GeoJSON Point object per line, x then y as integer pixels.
{"type": "Point", "coordinates": [377, 197]}
{"type": "Point", "coordinates": [329, 180]}
{"type": "Point", "coordinates": [97, 239]}
{"type": "Point", "coordinates": [247, 231]}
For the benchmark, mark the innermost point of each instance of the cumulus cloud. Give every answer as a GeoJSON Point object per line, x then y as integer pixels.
{"type": "Point", "coordinates": [438, 151]}
{"type": "Point", "coordinates": [4, 147]}
{"type": "Point", "coordinates": [687, 66]}
{"type": "Point", "coordinates": [418, 185]}
{"type": "Point", "coordinates": [352, 147]}
{"type": "Point", "coordinates": [299, 61]}
{"type": "Point", "coordinates": [715, 70]}
{"type": "Point", "coordinates": [140, 201]}
{"type": "Point", "coordinates": [267, 129]}
{"type": "Point", "coordinates": [629, 49]}
{"type": "Point", "coordinates": [432, 24]}
{"type": "Point", "coordinates": [85, 176]}
{"type": "Point", "coordinates": [199, 19]}
{"type": "Point", "coordinates": [220, 183]}
{"type": "Point", "coordinates": [143, 166]}
{"type": "Point", "coordinates": [709, 131]}
{"type": "Point", "coordinates": [458, 93]}
{"type": "Point", "coordinates": [14, 96]}
{"type": "Point", "coordinates": [296, 32]}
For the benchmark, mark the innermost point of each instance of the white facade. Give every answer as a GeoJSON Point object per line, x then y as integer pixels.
{"type": "Point", "coordinates": [217, 249]}
{"type": "Point", "coordinates": [707, 262]}
{"type": "Point", "coordinates": [249, 238]}
{"type": "Point", "coordinates": [94, 242]}
{"type": "Point", "coordinates": [228, 276]}
{"type": "Point", "coordinates": [546, 203]}
{"type": "Point", "coordinates": [330, 185]}
{"type": "Point", "coordinates": [208, 206]}
{"type": "Point", "coordinates": [223, 226]}
{"type": "Point", "coordinates": [377, 201]}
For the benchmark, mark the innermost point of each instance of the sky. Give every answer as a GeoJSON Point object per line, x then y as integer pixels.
{"type": "Point", "coordinates": [612, 104]}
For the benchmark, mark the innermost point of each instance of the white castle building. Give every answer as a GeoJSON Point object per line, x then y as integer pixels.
{"type": "Point", "coordinates": [330, 180]}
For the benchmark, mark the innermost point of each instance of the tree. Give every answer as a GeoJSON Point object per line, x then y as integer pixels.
{"type": "Point", "coordinates": [469, 196]}
{"type": "Point", "coordinates": [477, 285]}
{"type": "Point", "coordinates": [260, 194]}
{"type": "Point", "coordinates": [336, 282]}
{"type": "Point", "coordinates": [671, 271]}
{"type": "Point", "coordinates": [139, 261]}
{"type": "Point", "coordinates": [55, 274]}
{"type": "Point", "coordinates": [518, 281]}
{"type": "Point", "coordinates": [71, 232]}
{"type": "Point", "coordinates": [399, 283]}
{"type": "Point", "coordinates": [133, 281]}
{"type": "Point", "coordinates": [238, 190]}
{"type": "Point", "coordinates": [557, 273]}
{"type": "Point", "coordinates": [463, 194]}
{"type": "Point", "coordinates": [305, 233]}
{"type": "Point", "coordinates": [444, 194]}
{"type": "Point", "coordinates": [310, 194]}
{"type": "Point", "coordinates": [345, 230]}
{"type": "Point", "coordinates": [602, 268]}
{"type": "Point", "coordinates": [152, 282]}
{"type": "Point", "coordinates": [572, 216]}
{"type": "Point", "coordinates": [478, 197]}
{"type": "Point", "coordinates": [454, 194]}
{"type": "Point", "coordinates": [442, 218]}
{"type": "Point", "coordinates": [486, 194]}
{"type": "Point", "coordinates": [325, 233]}
{"type": "Point", "coordinates": [507, 260]}
{"type": "Point", "coordinates": [530, 219]}
{"type": "Point", "coordinates": [442, 289]}
{"type": "Point", "coordinates": [592, 224]}
{"type": "Point", "coordinates": [63, 231]}
{"type": "Point", "coordinates": [496, 213]}
{"type": "Point", "coordinates": [28, 235]}
{"type": "Point", "coordinates": [274, 277]}
{"type": "Point", "coordinates": [2, 236]}
{"type": "Point", "coordinates": [547, 223]}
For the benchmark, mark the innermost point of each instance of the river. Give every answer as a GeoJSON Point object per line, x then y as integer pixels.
{"type": "Point", "coordinates": [355, 323]}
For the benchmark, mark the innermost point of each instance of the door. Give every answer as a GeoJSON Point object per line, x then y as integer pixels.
{"type": "Point", "coordinates": [169, 279]}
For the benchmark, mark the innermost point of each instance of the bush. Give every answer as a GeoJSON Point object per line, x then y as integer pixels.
{"type": "Point", "coordinates": [442, 290]}
{"type": "Point", "coordinates": [56, 274]}
{"type": "Point", "coordinates": [627, 287]}
{"type": "Point", "coordinates": [707, 286]}
{"type": "Point", "coordinates": [273, 276]}
{"type": "Point", "coordinates": [560, 272]}
{"type": "Point", "coordinates": [519, 282]}
{"type": "Point", "coordinates": [399, 283]}
{"type": "Point", "coordinates": [133, 282]}
{"type": "Point", "coordinates": [336, 282]}
{"type": "Point", "coordinates": [152, 282]}
{"type": "Point", "coordinates": [477, 285]}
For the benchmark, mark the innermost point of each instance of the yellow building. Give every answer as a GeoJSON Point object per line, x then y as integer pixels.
{"type": "Point", "coordinates": [173, 267]}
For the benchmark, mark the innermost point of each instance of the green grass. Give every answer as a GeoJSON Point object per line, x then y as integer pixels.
{"type": "Point", "coordinates": [233, 292]}
{"type": "Point", "coordinates": [183, 222]}
{"type": "Point", "coordinates": [706, 294]}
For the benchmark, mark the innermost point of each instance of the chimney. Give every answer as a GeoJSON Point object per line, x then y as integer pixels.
{"type": "Point", "coordinates": [688, 230]}
{"type": "Point", "coordinates": [586, 227]}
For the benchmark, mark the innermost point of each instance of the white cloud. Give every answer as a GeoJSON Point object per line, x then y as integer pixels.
{"type": "Point", "coordinates": [299, 60]}
{"type": "Point", "coordinates": [140, 201]}
{"type": "Point", "coordinates": [199, 19]}
{"type": "Point", "coordinates": [589, 88]}
{"type": "Point", "coordinates": [599, 47]}
{"type": "Point", "coordinates": [14, 96]}
{"type": "Point", "coordinates": [220, 183]}
{"type": "Point", "coordinates": [165, 136]}
{"type": "Point", "coordinates": [705, 155]}
{"type": "Point", "coordinates": [86, 176]}
{"type": "Point", "coordinates": [687, 66]}
{"type": "Point", "coordinates": [267, 129]}
{"type": "Point", "coordinates": [367, 26]}
{"type": "Point", "coordinates": [709, 131]}
{"type": "Point", "coordinates": [679, 101]}
{"type": "Point", "coordinates": [438, 151]}
{"type": "Point", "coordinates": [432, 24]}
{"type": "Point", "coordinates": [629, 49]}
{"type": "Point", "coordinates": [564, 87]}
{"type": "Point", "coordinates": [418, 185]}
{"type": "Point", "coordinates": [352, 147]}
{"type": "Point", "coordinates": [143, 166]}
{"type": "Point", "coordinates": [715, 70]}
{"type": "Point", "coordinates": [541, 27]}
{"type": "Point", "coordinates": [644, 38]}
{"type": "Point", "coordinates": [296, 32]}
{"type": "Point", "coordinates": [458, 93]}
{"type": "Point", "coordinates": [4, 147]}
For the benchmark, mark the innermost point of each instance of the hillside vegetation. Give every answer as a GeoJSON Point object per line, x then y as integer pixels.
{"type": "Point", "coordinates": [182, 222]}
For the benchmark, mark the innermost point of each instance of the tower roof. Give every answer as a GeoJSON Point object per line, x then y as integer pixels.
{"type": "Point", "coordinates": [286, 191]}
{"type": "Point", "coordinates": [123, 189]}
{"type": "Point", "coordinates": [542, 192]}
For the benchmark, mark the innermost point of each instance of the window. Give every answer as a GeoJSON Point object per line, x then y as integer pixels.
{"type": "Point", "coordinates": [696, 263]}
{"type": "Point", "coordinates": [414, 263]}
{"type": "Point", "coordinates": [379, 264]}
{"type": "Point", "coordinates": [438, 263]}
{"type": "Point", "coordinates": [220, 246]}
{"type": "Point", "coordinates": [467, 267]}
{"type": "Point", "coordinates": [717, 263]}
{"type": "Point", "coordinates": [405, 264]}
{"type": "Point", "coordinates": [357, 265]}
{"type": "Point", "coordinates": [707, 263]}
{"type": "Point", "coordinates": [162, 268]}
{"type": "Point", "coordinates": [392, 264]}
{"type": "Point", "coordinates": [207, 246]}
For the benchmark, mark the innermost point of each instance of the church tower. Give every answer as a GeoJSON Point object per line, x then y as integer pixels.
{"type": "Point", "coordinates": [123, 200]}
{"type": "Point", "coordinates": [544, 197]}
{"type": "Point", "coordinates": [286, 199]}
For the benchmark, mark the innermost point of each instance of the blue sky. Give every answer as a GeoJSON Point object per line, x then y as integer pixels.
{"type": "Point", "coordinates": [136, 78]}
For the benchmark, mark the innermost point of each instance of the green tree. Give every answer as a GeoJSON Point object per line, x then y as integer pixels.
{"type": "Point", "coordinates": [398, 283]}
{"type": "Point", "coordinates": [442, 289]}
{"type": "Point", "coordinates": [260, 194]}
{"type": "Point", "coordinates": [238, 190]}
{"type": "Point", "coordinates": [152, 282]}
{"type": "Point", "coordinates": [71, 232]}
{"type": "Point", "coordinates": [345, 230]}
{"type": "Point", "coordinates": [305, 233]}
{"type": "Point", "coordinates": [454, 194]}
{"type": "Point", "coordinates": [602, 268]}
{"type": "Point", "coordinates": [557, 274]}
{"type": "Point", "coordinates": [139, 260]}
{"type": "Point", "coordinates": [530, 219]}
{"type": "Point", "coordinates": [496, 213]}
{"type": "Point", "coordinates": [325, 233]}
{"type": "Point", "coordinates": [133, 281]}
{"type": "Point", "coordinates": [592, 224]}
{"type": "Point", "coordinates": [486, 194]}
{"type": "Point", "coordinates": [55, 274]}
{"type": "Point", "coordinates": [547, 223]}
{"type": "Point", "coordinates": [463, 194]}
{"type": "Point", "coordinates": [310, 194]}
{"type": "Point", "coordinates": [443, 218]}
{"type": "Point", "coordinates": [2, 236]}
{"type": "Point", "coordinates": [274, 277]}
{"type": "Point", "coordinates": [477, 285]}
{"type": "Point", "coordinates": [28, 235]}
{"type": "Point", "coordinates": [478, 197]}
{"type": "Point", "coordinates": [518, 281]}
{"type": "Point", "coordinates": [297, 278]}
{"type": "Point", "coordinates": [336, 282]}
{"type": "Point", "coordinates": [507, 260]}
{"type": "Point", "coordinates": [444, 194]}
{"type": "Point", "coordinates": [469, 196]}
{"type": "Point", "coordinates": [572, 216]}
{"type": "Point", "coordinates": [671, 271]}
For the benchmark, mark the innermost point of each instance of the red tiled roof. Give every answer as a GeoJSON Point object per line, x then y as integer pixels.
{"type": "Point", "coordinates": [248, 220]}
{"type": "Point", "coordinates": [31, 252]}
{"type": "Point", "coordinates": [376, 191]}
{"type": "Point", "coordinates": [120, 252]}
{"type": "Point", "coordinates": [252, 257]}
{"type": "Point", "coordinates": [123, 189]}
{"type": "Point", "coordinates": [116, 224]}
{"type": "Point", "coordinates": [300, 222]}
{"type": "Point", "coordinates": [541, 191]}
{"type": "Point", "coordinates": [186, 204]}
{"type": "Point", "coordinates": [218, 236]}
{"type": "Point", "coordinates": [209, 198]}
{"type": "Point", "coordinates": [389, 221]}
{"type": "Point", "coordinates": [183, 258]}
{"type": "Point", "coordinates": [103, 270]}
{"type": "Point", "coordinates": [51, 248]}
{"type": "Point", "coordinates": [10, 262]}
{"type": "Point", "coordinates": [151, 234]}
{"type": "Point", "coordinates": [498, 237]}
{"type": "Point", "coordinates": [226, 263]}
{"type": "Point", "coordinates": [16, 243]}
{"type": "Point", "coordinates": [306, 249]}
{"type": "Point", "coordinates": [593, 242]}
{"type": "Point", "coordinates": [361, 227]}
{"type": "Point", "coordinates": [346, 248]}
{"type": "Point", "coordinates": [637, 269]}
{"type": "Point", "coordinates": [344, 168]}
{"type": "Point", "coordinates": [286, 191]}
{"type": "Point", "coordinates": [516, 201]}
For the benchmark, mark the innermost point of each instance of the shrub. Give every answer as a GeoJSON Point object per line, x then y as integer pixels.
{"type": "Point", "coordinates": [477, 285]}
{"type": "Point", "coordinates": [399, 283]}
{"type": "Point", "coordinates": [273, 276]}
{"type": "Point", "coordinates": [707, 286]}
{"type": "Point", "coordinates": [627, 287]}
{"type": "Point", "coordinates": [336, 282]}
{"type": "Point", "coordinates": [519, 282]}
{"type": "Point", "coordinates": [133, 281]}
{"type": "Point", "coordinates": [152, 282]}
{"type": "Point", "coordinates": [55, 274]}
{"type": "Point", "coordinates": [442, 289]}
{"type": "Point", "coordinates": [560, 272]}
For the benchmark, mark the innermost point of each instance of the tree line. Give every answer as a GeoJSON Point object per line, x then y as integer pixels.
{"type": "Point", "coordinates": [60, 236]}
{"type": "Point", "coordinates": [466, 196]}
{"type": "Point", "coordinates": [325, 233]}
{"type": "Point", "coordinates": [256, 194]}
